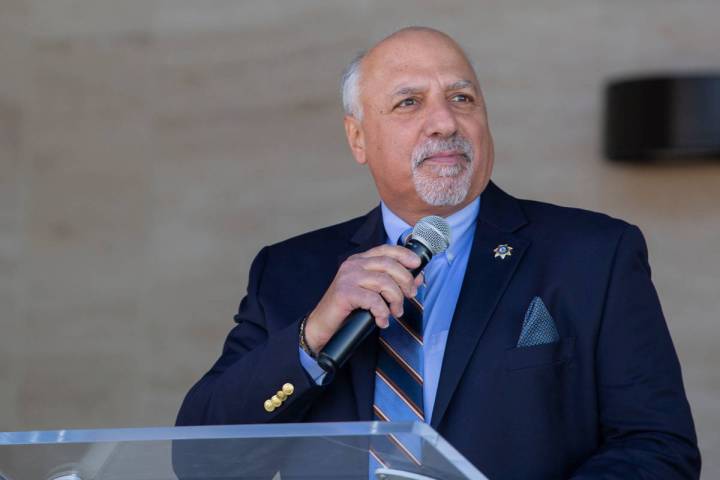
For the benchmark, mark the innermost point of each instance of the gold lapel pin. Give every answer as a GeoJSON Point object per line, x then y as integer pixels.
{"type": "Point", "coordinates": [503, 251]}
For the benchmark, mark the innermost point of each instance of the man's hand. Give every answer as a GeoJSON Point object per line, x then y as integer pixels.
{"type": "Point", "coordinates": [376, 280]}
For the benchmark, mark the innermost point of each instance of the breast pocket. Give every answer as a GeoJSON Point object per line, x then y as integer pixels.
{"type": "Point", "coordinates": [540, 355]}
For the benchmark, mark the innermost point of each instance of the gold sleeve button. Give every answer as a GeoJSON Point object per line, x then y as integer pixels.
{"type": "Point", "coordinates": [269, 407]}
{"type": "Point", "coordinates": [281, 395]}
{"type": "Point", "coordinates": [275, 401]}
{"type": "Point", "coordinates": [288, 388]}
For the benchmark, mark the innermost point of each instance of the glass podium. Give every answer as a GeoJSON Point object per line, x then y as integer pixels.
{"type": "Point", "coordinates": [355, 450]}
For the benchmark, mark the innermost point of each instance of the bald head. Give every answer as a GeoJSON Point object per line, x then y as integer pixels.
{"type": "Point", "coordinates": [409, 34]}
{"type": "Point", "coordinates": [394, 46]}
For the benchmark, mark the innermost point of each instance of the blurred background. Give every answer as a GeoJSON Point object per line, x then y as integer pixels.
{"type": "Point", "coordinates": [150, 148]}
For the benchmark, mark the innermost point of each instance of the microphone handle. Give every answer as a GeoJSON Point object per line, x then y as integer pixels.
{"type": "Point", "coordinates": [360, 324]}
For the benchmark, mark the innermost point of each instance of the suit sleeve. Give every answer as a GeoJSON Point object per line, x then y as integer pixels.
{"type": "Point", "coordinates": [255, 363]}
{"type": "Point", "coordinates": [646, 424]}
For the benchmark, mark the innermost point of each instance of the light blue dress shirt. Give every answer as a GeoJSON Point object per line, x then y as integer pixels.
{"type": "Point", "coordinates": [443, 277]}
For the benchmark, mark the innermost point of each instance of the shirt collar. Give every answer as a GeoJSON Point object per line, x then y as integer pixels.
{"type": "Point", "coordinates": [461, 223]}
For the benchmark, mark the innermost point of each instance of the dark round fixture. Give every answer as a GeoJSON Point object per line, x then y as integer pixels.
{"type": "Point", "coordinates": [663, 116]}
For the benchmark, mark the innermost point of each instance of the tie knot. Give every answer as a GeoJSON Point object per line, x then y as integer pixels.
{"type": "Point", "coordinates": [404, 236]}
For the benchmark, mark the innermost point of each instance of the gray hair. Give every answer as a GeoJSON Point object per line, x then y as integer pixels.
{"type": "Point", "coordinates": [350, 85]}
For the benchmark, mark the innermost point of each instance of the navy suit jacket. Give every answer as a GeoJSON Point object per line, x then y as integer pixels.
{"type": "Point", "coordinates": [605, 401]}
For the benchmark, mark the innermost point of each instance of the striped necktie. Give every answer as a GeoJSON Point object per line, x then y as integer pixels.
{"type": "Point", "coordinates": [399, 375]}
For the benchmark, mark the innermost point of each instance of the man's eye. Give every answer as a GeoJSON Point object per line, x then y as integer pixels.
{"type": "Point", "coordinates": [461, 97]}
{"type": "Point", "coordinates": [408, 102]}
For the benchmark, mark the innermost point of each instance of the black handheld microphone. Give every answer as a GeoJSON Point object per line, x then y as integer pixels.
{"type": "Point", "coordinates": [430, 236]}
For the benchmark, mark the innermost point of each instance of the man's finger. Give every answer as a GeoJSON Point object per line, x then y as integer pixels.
{"type": "Point", "coordinates": [408, 258]}
{"type": "Point", "coordinates": [395, 270]}
{"type": "Point", "coordinates": [384, 284]}
{"type": "Point", "coordinates": [369, 300]}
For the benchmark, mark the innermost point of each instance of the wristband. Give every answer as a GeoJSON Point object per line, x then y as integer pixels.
{"type": "Point", "coordinates": [303, 341]}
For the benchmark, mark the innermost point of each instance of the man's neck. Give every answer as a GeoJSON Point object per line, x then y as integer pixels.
{"type": "Point", "coordinates": [411, 216]}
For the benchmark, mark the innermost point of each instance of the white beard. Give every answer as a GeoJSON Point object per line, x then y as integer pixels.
{"type": "Point", "coordinates": [442, 186]}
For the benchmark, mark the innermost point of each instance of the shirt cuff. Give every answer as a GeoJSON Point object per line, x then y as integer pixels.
{"type": "Point", "coordinates": [311, 366]}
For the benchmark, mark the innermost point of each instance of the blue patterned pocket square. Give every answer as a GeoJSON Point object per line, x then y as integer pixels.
{"type": "Point", "coordinates": [538, 327]}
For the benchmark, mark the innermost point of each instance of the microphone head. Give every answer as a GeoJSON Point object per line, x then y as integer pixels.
{"type": "Point", "coordinates": [433, 232]}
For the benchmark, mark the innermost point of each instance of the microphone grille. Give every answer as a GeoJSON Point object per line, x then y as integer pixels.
{"type": "Point", "coordinates": [433, 232]}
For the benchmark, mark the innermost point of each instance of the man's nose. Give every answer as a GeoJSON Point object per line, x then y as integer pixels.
{"type": "Point", "coordinates": [440, 120]}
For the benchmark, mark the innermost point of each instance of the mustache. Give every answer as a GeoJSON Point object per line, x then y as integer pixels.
{"type": "Point", "coordinates": [433, 146]}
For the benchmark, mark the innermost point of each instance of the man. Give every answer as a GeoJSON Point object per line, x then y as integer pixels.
{"type": "Point", "coordinates": [544, 351]}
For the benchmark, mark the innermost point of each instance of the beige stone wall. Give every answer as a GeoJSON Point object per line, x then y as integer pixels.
{"type": "Point", "coordinates": [149, 148]}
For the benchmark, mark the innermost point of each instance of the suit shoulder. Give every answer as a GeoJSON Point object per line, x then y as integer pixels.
{"type": "Point", "coordinates": [566, 234]}
{"type": "Point", "coordinates": [564, 221]}
{"type": "Point", "coordinates": [324, 239]}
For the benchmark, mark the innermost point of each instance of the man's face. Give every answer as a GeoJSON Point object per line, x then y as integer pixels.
{"type": "Point", "coordinates": [424, 131]}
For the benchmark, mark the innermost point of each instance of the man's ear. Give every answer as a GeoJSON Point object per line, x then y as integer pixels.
{"type": "Point", "coordinates": [355, 138]}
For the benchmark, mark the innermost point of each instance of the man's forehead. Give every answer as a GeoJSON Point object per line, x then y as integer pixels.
{"type": "Point", "coordinates": [410, 62]}
{"type": "Point", "coordinates": [398, 59]}
{"type": "Point", "coordinates": [409, 81]}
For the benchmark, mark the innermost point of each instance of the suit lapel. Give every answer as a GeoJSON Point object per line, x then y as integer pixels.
{"type": "Point", "coordinates": [362, 364]}
{"type": "Point", "coordinates": [486, 279]}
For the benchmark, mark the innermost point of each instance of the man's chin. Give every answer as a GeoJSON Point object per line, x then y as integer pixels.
{"type": "Point", "coordinates": [442, 186]}
{"type": "Point", "coordinates": [443, 202]}
{"type": "Point", "coordinates": [442, 194]}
